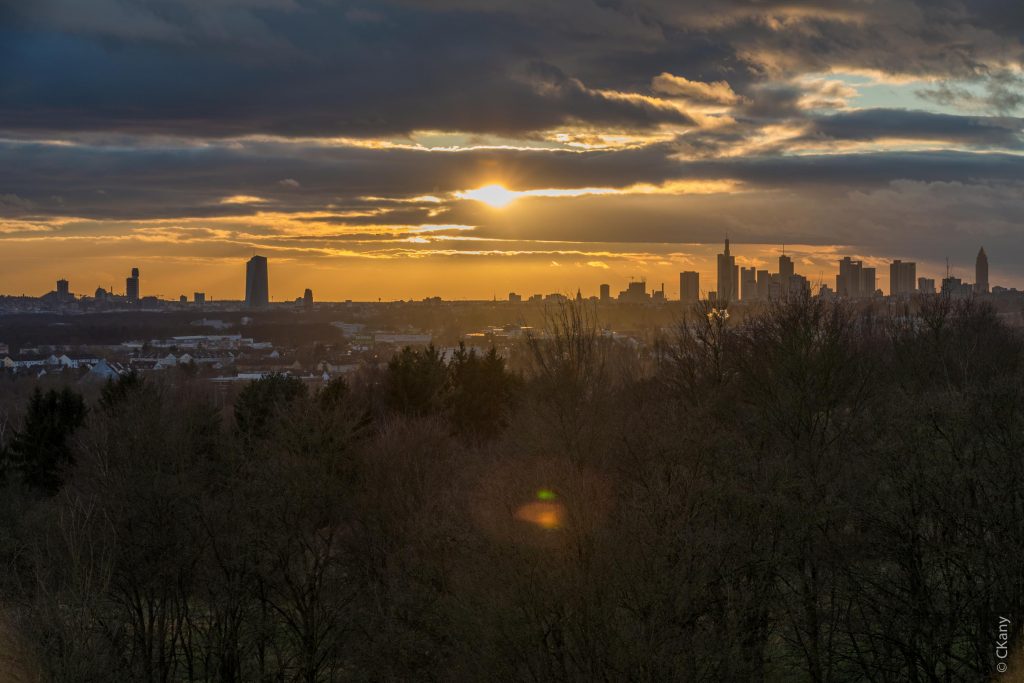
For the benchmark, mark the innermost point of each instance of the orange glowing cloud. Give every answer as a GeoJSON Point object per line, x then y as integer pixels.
{"type": "Point", "coordinates": [718, 92]}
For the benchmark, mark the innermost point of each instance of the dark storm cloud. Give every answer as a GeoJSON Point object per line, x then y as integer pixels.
{"type": "Point", "coordinates": [881, 124]}
{"type": "Point", "coordinates": [853, 171]}
{"type": "Point", "coordinates": [772, 103]}
{"type": "Point", "coordinates": [309, 67]}
{"type": "Point", "coordinates": [359, 185]}
{"type": "Point", "coordinates": [137, 182]}
{"type": "Point", "coordinates": [923, 37]}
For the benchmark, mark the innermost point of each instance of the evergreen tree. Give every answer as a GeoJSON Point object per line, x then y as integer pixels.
{"type": "Point", "coordinates": [416, 381]}
{"type": "Point", "coordinates": [116, 392]}
{"type": "Point", "coordinates": [260, 402]}
{"type": "Point", "coordinates": [481, 394]}
{"type": "Point", "coordinates": [41, 448]}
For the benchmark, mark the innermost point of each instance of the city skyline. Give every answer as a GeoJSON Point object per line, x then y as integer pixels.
{"type": "Point", "coordinates": [853, 278]}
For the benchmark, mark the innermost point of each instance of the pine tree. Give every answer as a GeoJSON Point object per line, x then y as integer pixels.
{"type": "Point", "coordinates": [41, 449]}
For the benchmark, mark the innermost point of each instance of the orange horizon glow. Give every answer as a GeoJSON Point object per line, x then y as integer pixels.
{"type": "Point", "coordinates": [407, 272]}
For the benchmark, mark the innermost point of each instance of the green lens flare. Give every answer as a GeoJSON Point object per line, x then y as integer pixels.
{"type": "Point", "coordinates": [546, 494]}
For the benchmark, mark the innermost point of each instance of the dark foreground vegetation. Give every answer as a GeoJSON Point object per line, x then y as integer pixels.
{"type": "Point", "coordinates": [817, 493]}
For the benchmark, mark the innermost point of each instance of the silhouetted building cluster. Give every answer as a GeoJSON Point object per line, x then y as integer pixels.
{"type": "Point", "coordinates": [855, 280]}
{"type": "Point", "coordinates": [956, 288]}
{"type": "Point", "coordinates": [762, 285]}
{"type": "Point", "coordinates": [635, 292]}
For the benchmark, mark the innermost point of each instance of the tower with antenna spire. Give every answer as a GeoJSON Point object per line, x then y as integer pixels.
{"type": "Point", "coordinates": [954, 287]}
{"type": "Point", "coordinates": [728, 276]}
{"type": "Point", "coordinates": [786, 271]}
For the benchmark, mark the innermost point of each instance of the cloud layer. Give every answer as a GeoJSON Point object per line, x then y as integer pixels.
{"type": "Point", "coordinates": [327, 129]}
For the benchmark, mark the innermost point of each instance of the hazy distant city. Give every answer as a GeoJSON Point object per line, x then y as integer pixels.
{"type": "Point", "coordinates": [109, 333]}
{"type": "Point", "coordinates": [734, 284]}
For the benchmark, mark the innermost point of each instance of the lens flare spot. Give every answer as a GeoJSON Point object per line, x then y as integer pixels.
{"type": "Point", "coordinates": [546, 515]}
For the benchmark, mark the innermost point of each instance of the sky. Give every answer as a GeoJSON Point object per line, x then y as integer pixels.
{"type": "Point", "coordinates": [399, 149]}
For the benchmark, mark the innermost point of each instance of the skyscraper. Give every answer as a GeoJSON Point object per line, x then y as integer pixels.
{"type": "Point", "coordinates": [797, 285]}
{"type": "Point", "coordinates": [307, 297]}
{"type": "Point", "coordinates": [63, 289]}
{"type": "Point", "coordinates": [728, 277]}
{"type": "Point", "coordinates": [131, 287]}
{"type": "Point", "coordinates": [689, 287]}
{"type": "Point", "coordinates": [764, 279]}
{"type": "Point", "coordinates": [748, 284]}
{"type": "Point", "coordinates": [868, 282]}
{"type": "Point", "coordinates": [981, 273]}
{"type": "Point", "coordinates": [785, 272]}
{"type": "Point", "coordinates": [902, 278]}
{"type": "Point", "coordinates": [257, 289]}
{"type": "Point", "coordinates": [606, 292]}
{"type": "Point", "coordinates": [848, 281]}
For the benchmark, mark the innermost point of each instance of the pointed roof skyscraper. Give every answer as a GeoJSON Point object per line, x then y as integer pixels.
{"type": "Point", "coordinates": [981, 273]}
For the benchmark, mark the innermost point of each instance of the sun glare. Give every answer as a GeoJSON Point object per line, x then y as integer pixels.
{"type": "Point", "coordinates": [493, 195]}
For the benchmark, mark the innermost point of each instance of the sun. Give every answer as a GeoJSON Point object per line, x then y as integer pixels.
{"type": "Point", "coordinates": [492, 195]}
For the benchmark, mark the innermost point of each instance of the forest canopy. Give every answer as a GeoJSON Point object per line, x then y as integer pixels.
{"type": "Point", "coordinates": [818, 492]}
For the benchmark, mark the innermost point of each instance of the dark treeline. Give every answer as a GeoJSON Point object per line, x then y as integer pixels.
{"type": "Point", "coordinates": [817, 493]}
